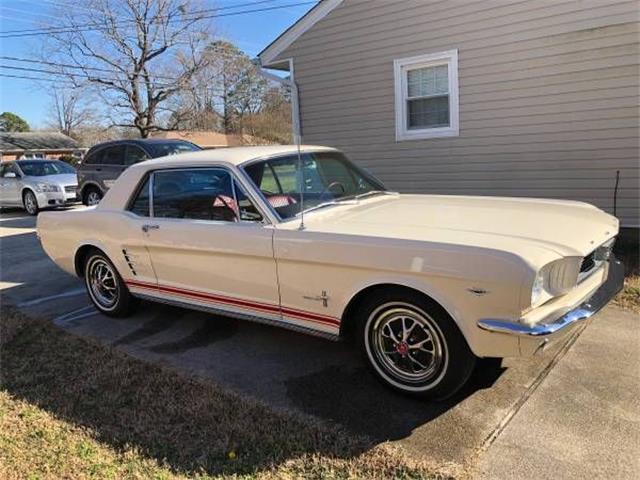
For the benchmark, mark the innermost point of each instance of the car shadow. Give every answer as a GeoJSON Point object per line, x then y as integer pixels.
{"type": "Point", "coordinates": [350, 396]}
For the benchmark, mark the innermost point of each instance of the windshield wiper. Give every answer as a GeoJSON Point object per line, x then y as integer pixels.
{"type": "Point", "coordinates": [374, 192]}
{"type": "Point", "coordinates": [323, 205]}
{"type": "Point", "coordinates": [349, 200]}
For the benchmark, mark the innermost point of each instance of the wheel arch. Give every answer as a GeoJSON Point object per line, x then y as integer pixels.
{"type": "Point", "coordinates": [348, 323]}
{"type": "Point", "coordinates": [89, 184]}
{"type": "Point", "coordinates": [25, 189]}
{"type": "Point", "coordinates": [81, 254]}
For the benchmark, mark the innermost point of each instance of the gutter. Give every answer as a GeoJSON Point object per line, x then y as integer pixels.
{"type": "Point", "coordinates": [295, 95]}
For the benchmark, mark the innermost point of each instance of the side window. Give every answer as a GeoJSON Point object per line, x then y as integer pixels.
{"type": "Point", "coordinates": [9, 168]}
{"type": "Point", "coordinates": [134, 155]}
{"type": "Point", "coordinates": [248, 211]}
{"type": "Point", "coordinates": [94, 157]}
{"type": "Point", "coordinates": [114, 155]}
{"type": "Point", "coordinates": [140, 205]}
{"type": "Point", "coordinates": [198, 194]}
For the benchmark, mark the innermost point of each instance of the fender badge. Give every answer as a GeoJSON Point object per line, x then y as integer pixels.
{"type": "Point", "coordinates": [477, 291]}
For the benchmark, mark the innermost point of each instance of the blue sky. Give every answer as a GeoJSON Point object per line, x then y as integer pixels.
{"type": "Point", "coordinates": [251, 32]}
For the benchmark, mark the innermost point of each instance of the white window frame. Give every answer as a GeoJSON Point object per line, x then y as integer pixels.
{"type": "Point", "coordinates": [400, 69]}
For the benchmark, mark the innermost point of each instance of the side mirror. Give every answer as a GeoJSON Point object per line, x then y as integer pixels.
{"type": "Point", "coordinates": [10, 175]}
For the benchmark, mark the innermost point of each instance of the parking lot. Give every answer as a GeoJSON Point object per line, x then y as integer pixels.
{"type": "Point", "coordinates": [282, 368]}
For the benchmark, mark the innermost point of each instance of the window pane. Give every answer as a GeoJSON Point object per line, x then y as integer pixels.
{"type": "Point", "coordinates": [141, 203]}
{"type": "Point", "coordinates": [134, 155]}
{"type": "Point", "coordinates": [114, 155]}
{"type": "Point", "coordinates": [200, 194]}
{"type": "Point", "coordinates": [248, 211]}
{"type": "Point", "coordinates": [428, 112]}
{"type": "Point", "coordinates": [424, 82]}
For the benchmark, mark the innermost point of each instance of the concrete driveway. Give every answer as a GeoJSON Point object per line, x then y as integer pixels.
{"type": "Point", "coordinates": [282, 368]}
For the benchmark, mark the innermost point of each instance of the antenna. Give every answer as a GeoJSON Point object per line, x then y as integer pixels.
{"type": "Point", "coordinates": [297, 139]}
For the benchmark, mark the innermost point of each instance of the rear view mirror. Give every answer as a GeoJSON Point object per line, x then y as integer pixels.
{"type": "Point", "coordinates": [10, 175]}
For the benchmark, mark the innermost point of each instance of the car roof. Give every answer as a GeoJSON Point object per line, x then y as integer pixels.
{"type": "Point", "coordinates": [141, 141]}
{"type": "Point", "coordinates": [231, 155]}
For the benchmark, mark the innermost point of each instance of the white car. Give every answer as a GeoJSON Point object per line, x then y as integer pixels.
{"type": "Point", "coordinates": [425, 284]}
{"type": "Point", "coordinates": [37, 184]}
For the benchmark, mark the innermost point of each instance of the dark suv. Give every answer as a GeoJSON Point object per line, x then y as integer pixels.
{"type": "Point", "coordinates": [104, 162]}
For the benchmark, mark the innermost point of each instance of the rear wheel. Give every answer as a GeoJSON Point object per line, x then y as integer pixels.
{"type": "Point", "coordinates": [107, 290]}
{"type": "Point", "coordinates": [30, 202]}
{"type": "Point", "coordinates": [92, 196]}
{"type": "Point", "coordinates": [412, 345]}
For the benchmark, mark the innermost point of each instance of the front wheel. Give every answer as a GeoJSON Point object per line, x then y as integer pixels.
{"type": "Point", "coordinates": [107, 290]}
{"type": "Point", "coordinates": [30, 203]}
{"type": "Point", "coordinates": [412, 345]}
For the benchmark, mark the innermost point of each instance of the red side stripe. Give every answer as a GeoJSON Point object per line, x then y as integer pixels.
{"type": "Point", "coordinates": [300, 314]}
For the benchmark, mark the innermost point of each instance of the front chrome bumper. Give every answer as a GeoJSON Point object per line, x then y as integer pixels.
{"type": "Point", "coordinates": [592, 305]}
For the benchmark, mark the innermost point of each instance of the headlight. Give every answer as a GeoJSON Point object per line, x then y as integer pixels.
{"type": "Point", "coordinates": [47, 187]}
{"type": "Point", "coordinates": [555, 279]}
{"type": "Point", "coordinates": [537, 288]}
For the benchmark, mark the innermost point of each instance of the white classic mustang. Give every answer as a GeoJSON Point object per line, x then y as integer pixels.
{"type": "Point", "coordinates": [306, 240]}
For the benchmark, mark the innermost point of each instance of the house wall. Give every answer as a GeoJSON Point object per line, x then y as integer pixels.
{"type": "Point", "coordinates": [49, 154]}
{"type": "Point", "coordinates": [548, 96]}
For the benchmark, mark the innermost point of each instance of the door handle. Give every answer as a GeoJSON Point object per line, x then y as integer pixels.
{"type": "Point", "coordinates": [146, 228]}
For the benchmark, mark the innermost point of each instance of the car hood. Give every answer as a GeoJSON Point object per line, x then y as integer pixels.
{"type": "Point", "coordinates": [514, 224]}
{"type": "Point", "coordinates": [60, 179]}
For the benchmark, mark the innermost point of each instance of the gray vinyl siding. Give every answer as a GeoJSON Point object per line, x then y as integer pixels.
{"type": "Point", "coordinates": [548, 96]}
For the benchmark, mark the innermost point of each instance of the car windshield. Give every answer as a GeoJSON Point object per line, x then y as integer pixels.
{"type": "Point", "coordinates": [160, 149]}
{"type": "Point", "coordinates": [329, 178]}
{"type": "Point", "coordinates": [41, 168]}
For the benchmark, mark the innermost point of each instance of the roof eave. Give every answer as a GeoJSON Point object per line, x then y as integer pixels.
{"type": "Point", "coordinates": [269, 56]}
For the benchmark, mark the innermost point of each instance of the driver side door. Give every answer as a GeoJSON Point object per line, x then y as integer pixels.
{"type": "Point", "coordinates": [209, 245]}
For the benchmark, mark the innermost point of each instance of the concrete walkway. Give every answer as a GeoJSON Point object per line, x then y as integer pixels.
{"type": "Point", "coordinates": [583, 420]}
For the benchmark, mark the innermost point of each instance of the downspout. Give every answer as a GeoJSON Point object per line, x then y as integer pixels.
{"type": "Point", "coordinates": [295, 96]}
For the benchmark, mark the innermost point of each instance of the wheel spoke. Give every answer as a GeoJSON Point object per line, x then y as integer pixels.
{"type": "Point", "coordinates": [424, 367]}
{"type": "Point", "coordinates": [419, 344]}
{"type": "Point", "coordinates": [391, 335]}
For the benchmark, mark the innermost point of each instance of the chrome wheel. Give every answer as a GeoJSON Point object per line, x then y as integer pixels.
{"type": "Point", "coordinates": [102, 283]}
{"type": "Point", "coordinates": [93, 198]}
{"type": "Point", "coordinates": [30, 203]}
{"type": "Point", "coordinates": [406, 345]}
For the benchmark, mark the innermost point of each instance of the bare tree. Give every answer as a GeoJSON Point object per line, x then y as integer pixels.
{"type": "Point", "coordinates": [136, 55]}
{"type": "Point", "coordinates": [227, 89]}
{"type": "Point", "coordinates": [69, 111]}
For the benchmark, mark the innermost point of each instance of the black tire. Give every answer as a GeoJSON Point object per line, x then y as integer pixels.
{"type": "Point", "coordinates": [381, 321]}
{"type": "Point", "coordinates": [91, 193]}
{"type": "Point", "coordinates": [30, 202]}
{"type": "Point", "coordinates": [123, 303]}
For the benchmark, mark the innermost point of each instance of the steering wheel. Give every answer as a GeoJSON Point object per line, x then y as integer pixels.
{"type": "Point", "coordinates": [330, 186]}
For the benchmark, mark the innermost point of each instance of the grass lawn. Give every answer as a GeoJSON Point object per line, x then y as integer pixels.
{"type": "Point", "coordinates": [72, 408]}
{"type": "Point", "coordinates": [629, 253]}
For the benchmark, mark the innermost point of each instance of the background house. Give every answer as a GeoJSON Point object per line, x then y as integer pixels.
{"type": "Point", "coordinates": [209, 139]}
{"type": "Point", "coordinates": [17, 145]}
{"type": "Point", "coordinates": [536, 99]}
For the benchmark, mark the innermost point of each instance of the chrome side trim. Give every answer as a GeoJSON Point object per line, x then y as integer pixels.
{"type": "Point", "coordinates": [592, 305]}
{"type": "Point", "coordinates": [238, 315]}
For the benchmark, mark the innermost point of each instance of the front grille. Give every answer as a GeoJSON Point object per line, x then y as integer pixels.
{"type": "Point", "coordinates": [594, 260]}
{"type": "Point", "coordinates": [588, 262]}
{"type": "Point", "coordinates": [71, 188]}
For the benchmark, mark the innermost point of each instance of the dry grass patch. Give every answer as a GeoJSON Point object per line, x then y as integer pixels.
{"type": "Point", "coordinates": [72, 408]}
{"type": "Point", "coordinates": [629, 297]}
{"type": "Point", "coordinates": [629, 253]}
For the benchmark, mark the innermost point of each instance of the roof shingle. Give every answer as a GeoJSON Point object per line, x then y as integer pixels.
{"type": "Point", "coordinates": [12, 141]}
